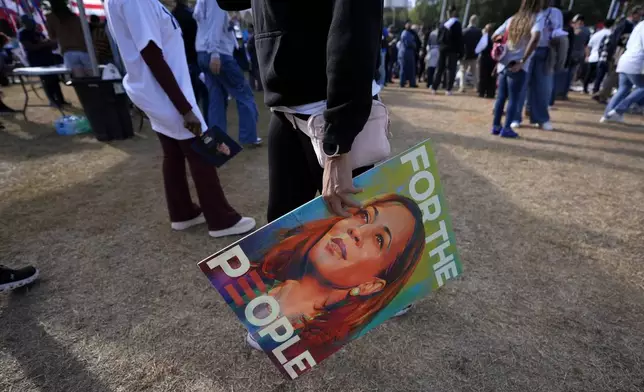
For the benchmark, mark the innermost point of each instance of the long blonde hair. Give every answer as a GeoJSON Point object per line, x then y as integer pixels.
{"type": "Point", "coordinates": [522, 21]}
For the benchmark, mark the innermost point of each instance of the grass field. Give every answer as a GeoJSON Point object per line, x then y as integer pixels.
{"type": "Point", "coordinates": [550, 230]}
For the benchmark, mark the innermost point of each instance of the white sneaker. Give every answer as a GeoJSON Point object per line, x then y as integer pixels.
{"type": "Point", "coordinates": [448, 93]}
{"type": "Point", "coordinates": [515, 125]}
{"type": "Point", "coordinates": [256, 143]}
{"type": "Point", "coordinates": [434, 92]}
{"type": "Point", "coordinates": [613, 116]}
{"type": "Point", "coordinates": [245, 225]}
{"type": "Point", "coordinates": [404, 310]}
{"type": "Point", "coordinates": [547, 126]}
{"type": "Point", "coordinates": [189, 223]}
{"type": "Point", "coordinates": [252, 342]}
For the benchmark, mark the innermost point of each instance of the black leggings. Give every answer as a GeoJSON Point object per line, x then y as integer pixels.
{"type": "Point", "coordinates": [294, 174]}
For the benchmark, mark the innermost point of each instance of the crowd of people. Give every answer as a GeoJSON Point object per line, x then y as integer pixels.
{"type": "Point", "coordinates": [27, 45]}
{"type": "Point", "coordinates": [178, 61]}
{"type": "Point", "coordinates": [566, 52]}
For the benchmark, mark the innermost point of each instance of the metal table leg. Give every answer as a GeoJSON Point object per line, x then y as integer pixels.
{"type": "Point", "coordinates": [24, 89]}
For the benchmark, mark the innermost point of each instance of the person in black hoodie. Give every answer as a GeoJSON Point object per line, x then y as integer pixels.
{"type": "Point", "coordinates": [486, 66]}
{"type": "Point", "coordinates": [450, 38]}
{"type": "Point", "coordinates": [340, 46]}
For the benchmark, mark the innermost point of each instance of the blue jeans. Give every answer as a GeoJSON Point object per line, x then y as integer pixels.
{"type": "Point", "coordinates": [381, 69]}
{"type": "Point", "coordinates": [538, 88]}
{"type": "Point", "coordinates": [624, 97]}
{"type": "Point", "coordinates": [230, 80]}
{"type": "Point", "coordinates": [77, 59]}
{"type": "Point", "coordinates": [510, 86]}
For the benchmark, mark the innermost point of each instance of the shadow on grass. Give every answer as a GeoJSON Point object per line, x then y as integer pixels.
{"type": "Point", "coordinates": [44, 361]}
{"type": "Point", "coordinates": [598, 135]}
{"type": "Point", "coordinates": [617, 151]}
{"type": "Point", "coordinates": [517, 149]}
{"type": "Point", "coordinates": [530, 304]}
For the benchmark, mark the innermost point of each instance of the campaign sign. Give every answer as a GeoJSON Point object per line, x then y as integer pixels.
{"type": "Point", "coordinates": [310, 282]}
{"type": "Point", "coordinates": [216, 147]}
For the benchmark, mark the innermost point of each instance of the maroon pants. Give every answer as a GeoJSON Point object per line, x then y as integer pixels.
{"type": "Point", "coordinates": [218, 213]}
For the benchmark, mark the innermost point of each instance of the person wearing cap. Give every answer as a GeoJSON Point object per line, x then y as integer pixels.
{"type": "Point", "coordinates": [593, 54]}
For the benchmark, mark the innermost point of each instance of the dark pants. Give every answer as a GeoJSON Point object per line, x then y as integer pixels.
{"type": "Point", "coordinates": [602, 70]}
{"type": "Point", "coordinates": [487, 81]}
{"type": "Point", "coordinates": [447, 61]}
{"type": "Point", "coordinates": [421, 66]}
{"type": "Point", "coordinates": [51, 85]}
{"type": "Point", "coordinates": [253, 77]}
{"type": "Point", "coordinates": [294, 174]}
{"type": "Point", "coordinates": [218, 213]}
{"type": "Point", "coordinates": [591, 73]}
{"type": "Point", "coordinates": [430, 76]}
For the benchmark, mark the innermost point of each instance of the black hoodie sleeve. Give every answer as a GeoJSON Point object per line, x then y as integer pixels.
{"type": "Point", "coordinates": [353, 46]}
{"type": "Point", "coordinates": [456, 35]}
{"type": "Point", "coordinates": [234, 5]}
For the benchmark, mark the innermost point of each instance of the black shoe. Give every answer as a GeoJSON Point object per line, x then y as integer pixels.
{"type": "Point", "coordinates": [11, 279]}
{"type": "Point", "coordinates": [6, 109]}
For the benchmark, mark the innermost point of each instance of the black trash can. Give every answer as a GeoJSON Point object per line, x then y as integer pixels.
{"type": "Point", "coordinates": [106, 106]}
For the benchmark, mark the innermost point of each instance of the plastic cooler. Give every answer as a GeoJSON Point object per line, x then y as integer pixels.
{"type": "Point", "coordinates": [106, 106]}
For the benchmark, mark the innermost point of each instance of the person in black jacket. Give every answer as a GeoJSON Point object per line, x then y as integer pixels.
{"type": "Point", "coordinates": [450, 38]}
{"type": "Point", "coordinates": [486, 65]}
{"type": "Point", "coordinates": [340, 46]}
{"type": "Point", "coordinates": [471, 37]}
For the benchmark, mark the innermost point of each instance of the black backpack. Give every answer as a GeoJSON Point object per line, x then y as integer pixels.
{"type": "Point", "coordinates": [443, 36]}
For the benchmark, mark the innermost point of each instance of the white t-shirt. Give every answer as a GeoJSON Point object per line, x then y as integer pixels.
{"type": "Point", "coordinates": [595, 42]}
{"type": "Point", "coordinates": [134, 23]}
{"type": "Point", "coordinates": [632, 61]}
{"type": "Point", "coordinates": [320, 106]}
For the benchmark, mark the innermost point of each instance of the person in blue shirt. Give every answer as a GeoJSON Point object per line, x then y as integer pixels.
{"type": "Point", "coordinates": [407, 57]}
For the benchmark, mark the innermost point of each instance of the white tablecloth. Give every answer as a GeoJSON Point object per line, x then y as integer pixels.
{"type": "Point", "coordinates": [42, 71]}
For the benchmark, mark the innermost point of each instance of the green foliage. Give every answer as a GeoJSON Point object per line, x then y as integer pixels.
{"type": "Point", "coordinates": [496, 11]}
{"type": "Point", "coordinates": [424, 13]}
